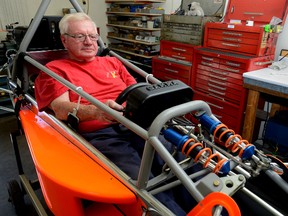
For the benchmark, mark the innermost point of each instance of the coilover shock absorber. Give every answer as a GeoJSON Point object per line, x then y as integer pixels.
{"type": "Point", "coordinates": [196, 150]}
{"type": "Point", "coordinates": [226, 137]}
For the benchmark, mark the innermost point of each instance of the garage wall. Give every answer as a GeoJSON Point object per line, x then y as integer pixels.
{"type": "Point", "coordinates": [97, 8]}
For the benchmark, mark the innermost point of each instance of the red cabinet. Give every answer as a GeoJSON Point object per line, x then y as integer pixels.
{"type": "Point", "coordinates": [217, 79]}
{"type": "Point", "coordinates": [246, 40]}
{"type": "Point", "coordinates": [259, 11]}
{"type": "Point", "coordinates": [180, 51]}
{"type": "Point", "coordinates": [235, 35]}
{"type": "Point", "coordinates": [166, 68]}
{"type": "Point", "coordinates": [231, 48]}
{"type": "Point", "coordinates": [174, 62]}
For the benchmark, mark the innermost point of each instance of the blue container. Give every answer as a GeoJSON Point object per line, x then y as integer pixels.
{"type": "Point", "coordinates": [135, 7]}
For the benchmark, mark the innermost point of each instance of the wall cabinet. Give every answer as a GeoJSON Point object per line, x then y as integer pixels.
{"type": "Point", "coordinates": [134, 29]}
{"type": "Point", "coordinates": [217, 80]}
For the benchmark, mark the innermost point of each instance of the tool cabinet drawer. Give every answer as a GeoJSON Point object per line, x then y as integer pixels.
{"type": "Point", "coordinates": [225, 112]}
{"type": "Point", "coordinates": [230, 35]}
{"type": "Point", "coordinates": [221, 81]}
{"type": "Point", "coordinates": [177, 50]}
{"type": "Point", "coordinates": [166, 76]}
{"type": "Point", "coordinates": [165, 68]}
{"type": "Point", "coordinates": [230, 46]}
{"type": "Point", "coordinates": [221, 91]}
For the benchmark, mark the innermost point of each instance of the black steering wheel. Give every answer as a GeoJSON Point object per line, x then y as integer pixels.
{"type": "Point", "coordinates": [122, 97]}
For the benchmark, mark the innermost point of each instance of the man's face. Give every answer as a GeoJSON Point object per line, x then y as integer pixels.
{"type": "Point", "coordinates": [81, 49]}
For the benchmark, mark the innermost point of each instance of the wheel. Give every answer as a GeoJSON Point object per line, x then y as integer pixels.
{"type": "Point", "coordinates": [124, 94]}
{"type": "Point", "coordinates": [16, 197]}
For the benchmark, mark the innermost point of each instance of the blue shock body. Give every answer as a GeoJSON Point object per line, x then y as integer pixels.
{"type": "Point", "coordinates": [175, 138]}
{"type": "Point", "coordinates": [208, 122]}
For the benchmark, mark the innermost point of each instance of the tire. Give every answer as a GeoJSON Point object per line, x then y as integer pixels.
{"type": "Point", "coordinates": [16, 197]}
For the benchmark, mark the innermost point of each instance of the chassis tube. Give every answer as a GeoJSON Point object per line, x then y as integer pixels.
{"type": "Point", "coordinates": [261, 202]}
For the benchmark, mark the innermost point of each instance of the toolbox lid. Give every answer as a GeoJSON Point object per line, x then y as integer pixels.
{"type": "Point", "coordinates": [210, 7]}
{"type": "Point", "coordinates": [260, 12]}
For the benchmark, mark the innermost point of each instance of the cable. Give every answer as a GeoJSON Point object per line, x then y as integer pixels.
{"type": "Point", "coordinates": [283, 56]}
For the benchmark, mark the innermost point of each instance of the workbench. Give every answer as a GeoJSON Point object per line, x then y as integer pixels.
{"type": "Point", "coordinates": [271, 82]}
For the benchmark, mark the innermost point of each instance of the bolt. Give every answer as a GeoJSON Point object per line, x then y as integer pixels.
{"type": "Point", "coordinates": [241, 178]}
{"type": "Point", "coordinates": [216, 183]}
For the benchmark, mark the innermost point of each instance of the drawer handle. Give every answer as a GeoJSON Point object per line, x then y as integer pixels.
{"type": "Point", "coordinates": [219, 72]}
{"type": "Point", "coordinates": [206, 63]}
{"type": "Point", "coordinates": [216, 82]}
{"type": "Point", "coordinates": [168, 78]}
{"type": "Point", "coordinates": [221, 78]}
{"type": "Point", "coordinates": [217, 116]}
{"type": "Point", "coordinates": [233, 64]}
{"type": "Point", "coordinates": [214, 105]}
{"type": "Point", "coordinates": [178, 49]}
{"type": "Point", "coordinates": [170, 70]}
{"type": "Point", "coordinates": [216, 96]}
{"type": "Point", "coordinates": [232, 70]}
{"type": "Point", "coordinates": [218, 87]}
{"type": "Point", "coordinates": [208, 59]}
{"type": "Point", "coordinates": [253, 13]}
{"type": "Point", "coordinates": [230, 45]}
{"type": "Point", "coordinates": [231, 39]}
{"type": "Point", "coordinates": [216, 92]}
{"type": "Point", "coordinates": [263, 63]}
{"type": "Point", "coordinates": [232, 33]}
{"type": "Point", "coordinates": [180, 57]}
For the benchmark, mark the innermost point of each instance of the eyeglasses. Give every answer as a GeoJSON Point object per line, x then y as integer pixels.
{"type": "Point", "coordinates": [82, 37]}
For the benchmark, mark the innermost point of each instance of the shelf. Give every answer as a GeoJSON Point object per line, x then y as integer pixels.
{"type": "Point", "coordinates": [133, 14]}
{"type": "Point", "coordinates": [129, 34]}
{"type": "Point", "coordinates": [134, 41]}
{"type": "Point", "coordinates": [136, 1]}
{"type": "Point", "coordinates": [134, 27]}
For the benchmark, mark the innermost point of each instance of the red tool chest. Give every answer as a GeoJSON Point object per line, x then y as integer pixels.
{"type": "Point", "coordinates": [174, 62]}
{"type": "Point", "coordinates": [217, 79]}
{"type": "Point", "coordinates": [166, 68]}
{"type": "Point", "coordinates": [238, 44]}
{"type": "Point", "coordinates": [177, 50]}
{"type": "Point", "coordinates": [259, 11]}
{"type": "Point", "coordinates": [234, 35]}
{"type": "Point", "coordinates": [240, 39]}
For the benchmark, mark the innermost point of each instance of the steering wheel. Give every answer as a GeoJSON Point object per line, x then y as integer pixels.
{"type": "Point", "coordinates": [122, 97]}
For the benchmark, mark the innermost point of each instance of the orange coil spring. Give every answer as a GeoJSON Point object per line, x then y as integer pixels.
{"type": "Point", "coordinates": [235, 146]}
{"type": "Point", "coordinates": [219, 162]}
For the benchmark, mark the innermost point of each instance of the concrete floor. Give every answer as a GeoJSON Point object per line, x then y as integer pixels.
{"type": "Point", "coordinates": [8, 167]}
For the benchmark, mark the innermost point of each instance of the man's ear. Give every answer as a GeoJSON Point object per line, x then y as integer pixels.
{"type": "Point", "coordinates": [63, 39]}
